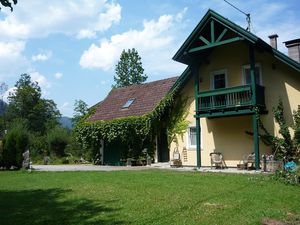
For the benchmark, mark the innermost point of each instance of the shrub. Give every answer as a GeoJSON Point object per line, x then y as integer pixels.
{"type": "Point", "coordinates": [288, 176]}
{"type": "Point", "coordinates": [15, 143]}
{"type": "Point", "coordinates": [58, 138]}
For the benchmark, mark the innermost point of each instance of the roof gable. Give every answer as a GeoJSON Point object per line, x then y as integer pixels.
{"type": "Point", "coordinates": [214, 30]}
{"type": "Point", "coordinates": [146, 97]}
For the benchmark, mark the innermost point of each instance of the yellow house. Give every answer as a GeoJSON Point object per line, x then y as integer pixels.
{"type": "Point", "coordinates": [232, 76]}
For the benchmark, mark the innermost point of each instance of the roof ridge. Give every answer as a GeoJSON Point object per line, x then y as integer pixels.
{"type": "Point", "coordinates": [155, 81]}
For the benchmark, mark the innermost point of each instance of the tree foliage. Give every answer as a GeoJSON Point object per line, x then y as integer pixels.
{"type": "Point", "coordinates": [177, 123]}
{"type": "Point", "coordinates": [7, 3]}
{"type": "Point", "coordinates": [58, 138]}
{"type": "Point", "coordinates": [129, 69]}
{"type": "Point", "coordinates": [27, 104]}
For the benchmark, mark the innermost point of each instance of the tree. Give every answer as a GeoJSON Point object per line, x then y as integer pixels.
{"type": "Point", "coordinates": [7, 3]}
{"type": "Point", "coordinates": [80, 110]}
{"type": "Point", "coordinates": [129, 69]}
{"type": "Point", "coordinates": [26, 104]}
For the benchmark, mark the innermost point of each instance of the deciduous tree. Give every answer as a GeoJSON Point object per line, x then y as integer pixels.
{"type": "Point", "coordinates": [27, 104]}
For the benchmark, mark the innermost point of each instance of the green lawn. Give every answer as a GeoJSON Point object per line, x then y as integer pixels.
{"type": "Point", "coordinates": [143, 197]}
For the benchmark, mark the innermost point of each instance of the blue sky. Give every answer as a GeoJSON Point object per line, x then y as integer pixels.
{"type": "Point", "coordinates": [71, 47]}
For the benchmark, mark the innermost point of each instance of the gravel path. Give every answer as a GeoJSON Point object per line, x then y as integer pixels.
{"type": "Point", "coordinates": [90, 167]}
{"type": "Point", "coordinates": [84, 167]}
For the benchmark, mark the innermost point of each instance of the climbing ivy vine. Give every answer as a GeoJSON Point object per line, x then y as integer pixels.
{"type": "Point", "coordinates": [132, 131]}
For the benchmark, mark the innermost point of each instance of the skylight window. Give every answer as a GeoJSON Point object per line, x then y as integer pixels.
{"type": "Point", "coordinates": [128, 103]}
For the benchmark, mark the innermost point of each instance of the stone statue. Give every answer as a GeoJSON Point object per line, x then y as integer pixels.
{"type": "Point", "coordinates": [26, 160]}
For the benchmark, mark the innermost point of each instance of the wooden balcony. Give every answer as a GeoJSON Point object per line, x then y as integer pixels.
{"type": "Point", "coordinates": [229, 101]}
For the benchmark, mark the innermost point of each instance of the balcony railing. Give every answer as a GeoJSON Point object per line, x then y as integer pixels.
{"type": "Point", "coordinates": [232, 98]}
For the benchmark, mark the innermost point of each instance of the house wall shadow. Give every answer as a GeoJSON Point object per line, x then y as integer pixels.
{"type": "Point", "coordinates": [51, 207]}
{"type": "Point", "coordinates": [229, 136]}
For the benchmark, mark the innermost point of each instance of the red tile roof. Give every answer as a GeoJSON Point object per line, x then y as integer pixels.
{"type": "Point", "coordinates": [146, 97]}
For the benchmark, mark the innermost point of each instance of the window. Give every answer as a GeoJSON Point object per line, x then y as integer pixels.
{"type": "Point", "coordinates": [192, 137]}
{"type": "Point", "coordinates": [247, 75]}
{"type": "Point", "coordinates": [218, 79]}
{"type": "Point", "coordinates": [127, 104]}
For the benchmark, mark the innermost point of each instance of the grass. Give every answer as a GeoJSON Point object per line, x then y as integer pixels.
{"type": "Point", "coordinates": [144, 197]}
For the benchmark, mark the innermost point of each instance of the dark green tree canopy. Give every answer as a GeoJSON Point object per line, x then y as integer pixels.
{"type": "Point", "coordinates": [7, 3]}
{"type": "Point", "coordinates": [129, 69]}
{"type": "Point", "coordinates": [26, 104]}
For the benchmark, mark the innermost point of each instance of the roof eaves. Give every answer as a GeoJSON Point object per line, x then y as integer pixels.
{"type": "Point", "coordinates": [285, 59]}
{"type": "Point", "coordinates": [224, 21]}
{"type": "Point", "coordinates": [181, 79]}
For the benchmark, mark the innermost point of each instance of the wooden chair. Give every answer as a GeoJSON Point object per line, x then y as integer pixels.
{"type": "Point", "coordinates": [176, 161]}
{"type": "Point", "coordinates": [216, 158]}
{"type": "Point", "coordinates": [249, 161]}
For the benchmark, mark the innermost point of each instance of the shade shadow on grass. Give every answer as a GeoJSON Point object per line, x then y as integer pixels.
{"type": "Point", "coordinates": [51, 207]}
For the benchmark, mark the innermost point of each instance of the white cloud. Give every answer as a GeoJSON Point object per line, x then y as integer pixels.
{"type": "Point", "coordinates": [12, 62]}
{"type": "Point", "coordinates": [11, 48]}
{"type": "Point", "coordinates": [41, 57]}
{"type": "Point", "coordinates": [86, 33]}
{"type": "Point", "coordinates": [40, 79]}
{"type": "Point", "coordinates": [58, 75]}
{"type": "Point", "coordinates": [65, 104]}
{"type": "Point", "coordinates": [37, 19]}
{"type": "Point", "coordinates": [156, 43]}
{"type": "Point", "coordinates": [9, 91]}
{"type": "Point", "coordinates": [111, 15]}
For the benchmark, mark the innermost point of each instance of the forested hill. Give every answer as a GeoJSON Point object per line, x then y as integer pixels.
{"type": "Point", "coordinates": [3, 106]}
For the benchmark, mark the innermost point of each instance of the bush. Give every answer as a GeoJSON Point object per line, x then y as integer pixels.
{"type": "Point", "coordinates": [58, 138]}
{"type": "Point", "coordinates": [288, 176]}
{"type": "Point", "coordinates": [38, 145]}
{"type": "Point", "coordinates": [15, 144]}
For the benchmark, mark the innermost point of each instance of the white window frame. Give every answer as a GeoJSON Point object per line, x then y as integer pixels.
{"type": "Point", "coordinates": [247, 66]}
{"type": "Point", "coordinates": [218, 72]}
{"type": "Point", "coordinates": [189, 146]}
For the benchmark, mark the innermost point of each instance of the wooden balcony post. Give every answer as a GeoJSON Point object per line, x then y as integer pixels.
{"type": "Point", "coordinates": [254, 102]}
{"type": "Point", "coordinates": [195, 70]}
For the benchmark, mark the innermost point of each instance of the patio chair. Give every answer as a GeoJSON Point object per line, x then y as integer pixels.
{"type": "Point", "coordinates": [176, 161]}
{"type": "Point", "coordinates": [216, 158]}
{"type": "Point", "coordinates": [248, 161]}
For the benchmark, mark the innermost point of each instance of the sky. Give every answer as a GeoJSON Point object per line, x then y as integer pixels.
{"type": "Point", "coordinates": [71, 47]}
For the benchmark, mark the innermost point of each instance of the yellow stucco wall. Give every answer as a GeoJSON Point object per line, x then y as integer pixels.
{"type": "Point", "coordinates": [228, 134]}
